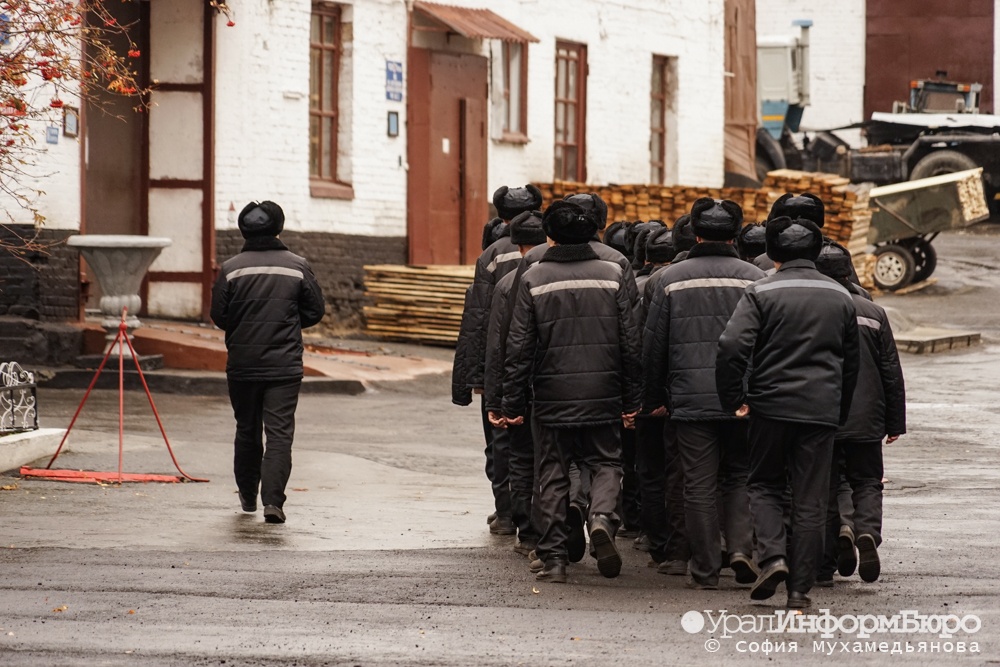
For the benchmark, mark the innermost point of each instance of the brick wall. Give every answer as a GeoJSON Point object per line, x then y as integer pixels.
{"type": "Point", "coordinates": [39, 285]}
{"type": "Point", "coordinates": [337, 261]}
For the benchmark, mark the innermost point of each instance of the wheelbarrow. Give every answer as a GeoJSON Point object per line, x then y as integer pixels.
{"type": "Point", "coordinates": [907, 217]}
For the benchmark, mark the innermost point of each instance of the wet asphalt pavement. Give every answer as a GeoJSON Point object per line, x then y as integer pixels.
{"type": "Point", "coordinates": [386, 558]}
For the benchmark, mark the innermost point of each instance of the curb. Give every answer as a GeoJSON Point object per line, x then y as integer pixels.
{"type": "Point", "coordinates": [167, 382]}
{"type": "Point", "coordinates": [20, 449]}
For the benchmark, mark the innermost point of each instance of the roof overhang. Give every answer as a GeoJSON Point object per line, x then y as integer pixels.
{"type": "Point", "coordinates": [467, 22]}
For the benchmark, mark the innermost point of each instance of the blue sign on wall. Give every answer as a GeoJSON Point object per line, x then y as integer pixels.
{"type": "Point", "coordinates": [394, 80]}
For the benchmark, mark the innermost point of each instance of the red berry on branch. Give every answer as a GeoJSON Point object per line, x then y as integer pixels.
{"type": "Point", "coordinates": [134, 53]}
{"type": "Point", "coordinates": [56, 103]}
{"type": "Point", "coordinates": [230, 24]}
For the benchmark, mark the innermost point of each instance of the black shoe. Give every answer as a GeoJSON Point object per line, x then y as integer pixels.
{"type": "Point", "coordinates": [627, 534]}
{"type": "Point", "coordinates": [847, 558]}
{"type": "Point", "coordinates": [798, 600]}
{"type": "Point", "coordinates": [823, 582]}
{"type": "Point", "coordinates": [535, 565]}
{"type": "Point", "coordinates": [248, 504]}
{"type": "Point", "coordinates": [746, 572]}
{"type": "Point", "coordinates": [642, 543]}
{"type": "Point", "coordinates": [869, 566]}
{"type": "Point", "coordinates": [503, 525]}
{"type": "Point", "coordinates": [772, 575]}
{"type": "Point", "coordinates": [678, 568]}
{"type": "Point", "coordinates": [576, 543]}
{"type": "Point", "coordinates": [554, 572]}
{"type": "Point", "coordinates": [273, 514]}
{"type": "Point", "coordinates": [602, 537]}
{"type": "Point", "coordinates": [491, 518]}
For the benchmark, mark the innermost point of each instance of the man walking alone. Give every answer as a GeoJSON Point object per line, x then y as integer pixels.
{"type": "Point", "coordinates": [262, 299]}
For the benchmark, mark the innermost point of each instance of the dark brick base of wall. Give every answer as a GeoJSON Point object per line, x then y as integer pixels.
{"type": "Point", "coordinates": [38, 285]}
{"type": "Point", "coordinates": [337, 260]}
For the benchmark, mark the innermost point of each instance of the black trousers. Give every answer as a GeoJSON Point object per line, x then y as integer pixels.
{"type": "Point", "coordinates": [714, 458]}
{"type": "Point", "coordinates": [522, 480]}
{"type": "Point", "coordinates": [661, 483]}
{"type": "Point", "coordinates": [596, 449]}
{"type": "Point", "coordinates": [839, 512]}
{"type": "Point", "coordinates": [497, 463]}
{"type": "Point", "coordinates": [264, 408]}
{"type": "Point", "coordinates": [786, 453]}
{"type": "Point", "coordinates": [858, 466]}
{"type": "Point", "coordinates": [630, 496]}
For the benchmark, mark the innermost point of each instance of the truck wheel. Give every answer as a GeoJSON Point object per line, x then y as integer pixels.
{"type": "Point", "coordinates": [894, 267]}
{"type": "Point", "coordinates": [924, 259]}
{"type": "Point", "coordinates": [939, 163]}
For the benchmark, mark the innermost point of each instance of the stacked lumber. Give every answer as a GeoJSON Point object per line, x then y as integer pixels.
{"type": "Point", "coordinates": [416, 303]}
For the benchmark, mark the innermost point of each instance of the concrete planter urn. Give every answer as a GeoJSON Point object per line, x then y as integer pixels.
{"type": "Point", "coordinates": [119, 262]}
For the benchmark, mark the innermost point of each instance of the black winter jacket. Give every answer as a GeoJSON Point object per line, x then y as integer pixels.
{"type": "Point", "coordinates": [495, 262]}
{"type": "Point", "coordinates": [461, 393]}
{"type": "Point", "coordinates": [263, 298]}
{"type": "Point", "coordinates": [573, 342]}
{"type": "Point", "coordinates": [691, 304]}
{"type": "Point", "coordinates": [879, 405]}
{"type": "Point", "coordinates": [493, 376]}
{"type": "Point", "coordinates": [800, 329]}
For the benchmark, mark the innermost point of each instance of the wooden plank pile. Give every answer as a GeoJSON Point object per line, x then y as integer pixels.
{"type": "Point", "coordinates": [416, 303]}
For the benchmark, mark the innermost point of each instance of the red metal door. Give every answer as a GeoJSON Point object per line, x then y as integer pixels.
{"type": "Point", "coordinates": [447, 156]}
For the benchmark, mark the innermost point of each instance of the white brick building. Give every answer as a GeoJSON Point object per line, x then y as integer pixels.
{"type": "Point", "coordinates": [237, 112]}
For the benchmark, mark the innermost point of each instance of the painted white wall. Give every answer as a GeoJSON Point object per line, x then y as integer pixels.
{"type": "Point", "coordinates": [262, 81]}
{"type": "Point", "coordinates": [837, 58]}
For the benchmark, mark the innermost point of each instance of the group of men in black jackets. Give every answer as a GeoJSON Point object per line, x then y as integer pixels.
{"type": "Point", "coordinates": [724, 388]}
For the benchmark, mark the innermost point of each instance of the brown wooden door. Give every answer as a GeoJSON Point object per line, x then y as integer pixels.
{"type": "Point", "coordinates": [447, 156]}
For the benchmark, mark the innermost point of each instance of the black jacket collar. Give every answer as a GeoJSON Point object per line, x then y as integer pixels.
{"type": "Point", "coordinates": [797, 264]}
{"type": "Point", "coordinates": [575, 252]}
{"type": "Point", "coordinates": [713, 248]}
{"type": "Point", "coordinates": [263, 243]}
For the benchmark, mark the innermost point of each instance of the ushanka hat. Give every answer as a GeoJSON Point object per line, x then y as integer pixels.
{"type": "Point", "coordinates": [511, 201]}
{"type": "Point", "coordinates": [789, 239]}
{"type": "Point", "coordinates": [750, 242]}
{"type": "Point", "coordinates": [660, 246]}
{"type": "Point", "coordinates": [834, 262]}
{"type": "Point", "coordinates": [526, 229]}
{"type": "Point", "coordinates": [261, 219]}
{"type": "Point", "coordinates": [616, 236]}
{"type": "Point", "coordinates": [593, 204]}
{"type": "Point", "coordinates": [492, 232]}
{"type": "Point", "coordinates": [566, 223]}
{"type": "Point", "coordinates": [684, 238]}
{"type": "Point", "coordinates": [716, 219]}
{"type": "Point", "coordinates": [807, 206]}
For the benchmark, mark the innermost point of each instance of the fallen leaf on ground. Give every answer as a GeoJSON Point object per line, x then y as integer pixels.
{"type": "Point", "coordinates": [59, 609]}
{"type": "Point", "coordinates": [8, 487]}
{"type": "Point", "coordinates": [131, 611]}
{"type": "Point", "coordinates": [535, 591]}
{"type": "Point", "coordinates": [299, 489]}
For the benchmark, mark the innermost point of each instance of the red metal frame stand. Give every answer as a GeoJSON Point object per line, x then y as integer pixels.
{"type": "Point", "coordinates": [117, 477]}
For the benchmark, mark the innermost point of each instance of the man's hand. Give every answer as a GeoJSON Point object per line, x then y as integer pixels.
{"type": "Point", "coordinates": [628, 419]}
{"type": "Point", "coordinates": [497, 419]}
{"type": "Point", "coordinates": [743, 410]}
{"type": "Point", "coordinates": [515, 421]}
{"type": "Point", "coordinates": [659, 412]}
{"type": "Point", "coordinates": [478, 391]}
{"type": "Point", "coordinates": [891, 439]}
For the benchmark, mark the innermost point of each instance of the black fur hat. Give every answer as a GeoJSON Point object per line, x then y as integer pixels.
{"type": "Point", "coordinates": [593, 204]}
{"type": "Point", "coordinates": [807, 206]}
{"type": "Point", "coordinates": [660, 246]}
{"type": "Point", "coordinates": [261, 219]}
{"type": "Point", "coordinates": [567, 223]}
{"type": "Point", "coordinates": [716, 219]}
{"type": "Point", "coordinates": [834, 262]}
{"type": "Point", "coordinates": [509, 202]}
{"type": "Point", "coordinates": [616, 236]}
{"type": "Point", "coordinates": [789, 239]}
{"type": "Point", "coordinates": [750, 242]}
{"type": "Point", "coordinates": [640, 231]}
{"type": "Point", "coordinates": [684, 238]}
{"type": "Point", "coordinates": [526, 229]}
{"type": "Point", "coordinates": [492, 232]}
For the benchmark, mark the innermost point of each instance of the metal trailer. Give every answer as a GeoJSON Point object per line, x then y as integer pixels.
{"type": "Point", "coordinates": [908, 216]}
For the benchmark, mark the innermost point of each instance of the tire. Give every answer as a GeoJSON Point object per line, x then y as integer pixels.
{"type": "Point", "coordinates": [924, 259]}
{"type": "Point", "coordinates": [894, 267]}
{"type": "Point", "coordinates": [939, 163]}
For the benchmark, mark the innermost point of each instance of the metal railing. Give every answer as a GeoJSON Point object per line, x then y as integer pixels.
{"type": "Point", "coordinates": [17, 399]}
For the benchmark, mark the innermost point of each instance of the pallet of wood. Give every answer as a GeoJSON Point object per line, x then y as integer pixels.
{"type": "Point", "coordinates": [420, 304]}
